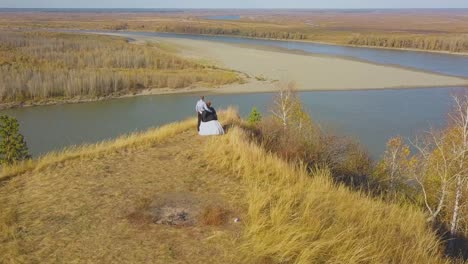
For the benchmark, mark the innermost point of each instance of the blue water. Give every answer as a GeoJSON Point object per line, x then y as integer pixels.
{"type": "Point", "coordinates": [372, 117]}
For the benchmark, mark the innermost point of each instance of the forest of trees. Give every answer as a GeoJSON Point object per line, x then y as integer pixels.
{"type": "Point", "coordinates": [433, 43]}
{"type": "Point", "coordinates": [41, 65]}
{"type": "Point", "coordinates": [253, 31]}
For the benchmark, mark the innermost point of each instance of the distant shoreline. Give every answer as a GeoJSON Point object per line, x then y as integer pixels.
{"type": "Point", "coordinates": [97, 31]}
{"type": "Point", "coordinates": [311, 71]}
{"type": "Point", "coordinates": [464, 54]}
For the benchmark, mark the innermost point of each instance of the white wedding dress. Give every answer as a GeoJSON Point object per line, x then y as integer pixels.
{"type": "Point", "coordinates": [211, 128]}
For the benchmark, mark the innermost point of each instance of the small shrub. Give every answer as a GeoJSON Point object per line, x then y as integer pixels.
{"type": "Point", "coordinates": [13, 147]}
{"type": "Point", "coordinates": [255, 116]}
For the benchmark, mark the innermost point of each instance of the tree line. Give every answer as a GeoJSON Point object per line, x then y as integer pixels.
{"type": "Point", "coordinates": [440, 42]}
{"type": "Point", "coordinates": [220, 29]}
{"type": "Point", "coordinates": [253, 32]}
{"type": "Point", "coordinates": [434, 43]}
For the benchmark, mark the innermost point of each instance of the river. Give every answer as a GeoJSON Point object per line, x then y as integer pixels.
{"type": "Point", "coordinates": [372, 116]}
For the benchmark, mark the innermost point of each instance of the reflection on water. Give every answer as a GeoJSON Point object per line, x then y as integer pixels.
{"type": "Point", "coordinates": [370, 116]}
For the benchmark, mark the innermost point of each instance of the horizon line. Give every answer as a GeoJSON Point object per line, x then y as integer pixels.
{"type": "Point", "coordinates": [242, 8]}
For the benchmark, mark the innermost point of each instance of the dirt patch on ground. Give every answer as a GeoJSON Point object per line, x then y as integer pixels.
{"type": "Point", "coordinates": [181, 209]}
{"type": "Point", "coordinates": [178, 216]}
{"type": "Point", "coordinates": [215, 216]}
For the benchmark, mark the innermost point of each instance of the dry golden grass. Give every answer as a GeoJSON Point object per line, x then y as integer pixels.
{"type": "Point", "coordinates": [294, 217]}
{"type": "Point", "coordinates": [149, 137]}
{"type": "Point", "coordinates": [82, 205]}
{"type": "Point", "coordinates": [93, 204]}
{"type": "Point", "coordinates": [146, 138]}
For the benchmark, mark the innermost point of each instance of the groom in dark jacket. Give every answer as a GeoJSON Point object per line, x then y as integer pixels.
{"type": "Point", "coordinates": [209, 115]}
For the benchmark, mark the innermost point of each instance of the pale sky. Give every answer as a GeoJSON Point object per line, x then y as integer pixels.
{"type": "Point", "coordinates": [234, 3]}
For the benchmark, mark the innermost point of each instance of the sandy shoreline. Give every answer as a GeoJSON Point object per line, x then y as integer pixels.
{"type": "Point", "coordinates": [267, 67]}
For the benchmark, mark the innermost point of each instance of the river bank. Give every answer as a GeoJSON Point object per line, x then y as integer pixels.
{"type": "Point", "coordinates": [79, 100]}
{"type": "Point", "coordinates": [264, 67]}
{"type": "Point", "coordinates": [442, 52]}
{"type": "Point", "coordinates": [310, 72]}
{"type": "Point", "coordinates": [463, 54]}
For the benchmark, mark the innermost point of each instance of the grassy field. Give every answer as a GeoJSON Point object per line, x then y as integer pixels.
{"type": "Point", "coordinates": [55, 213]}
{"type": "Point", "coordinates": [42, 65]}
{"type": "Point", "coordinates": [434, 30]}
{"type": "Point", "coordinates": [98, 203]}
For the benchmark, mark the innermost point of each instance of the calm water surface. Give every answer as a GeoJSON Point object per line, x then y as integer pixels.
{"type": "Point", "coordinates": [369, 116]}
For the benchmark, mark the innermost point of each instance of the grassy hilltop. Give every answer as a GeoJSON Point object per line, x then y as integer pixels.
{"type": "Point", "coordinates": [113, 201]}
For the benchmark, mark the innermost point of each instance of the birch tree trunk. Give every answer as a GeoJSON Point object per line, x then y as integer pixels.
{"type": "Point", "coordinates": [456, 207]}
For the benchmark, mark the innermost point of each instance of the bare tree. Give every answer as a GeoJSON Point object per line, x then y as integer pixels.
{"type": "Point", "coordinates": [428, 165]}
{"type": "Point", "coordinates": [442, 162]}
{"type": "Point", "coordinates": [460, 149]}
{"type": "Point", "coordinates": [287, 108]}
{"type": "Point", "coordinates": [283, 103]}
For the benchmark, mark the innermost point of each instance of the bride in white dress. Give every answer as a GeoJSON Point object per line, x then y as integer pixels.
{"type": "Point", "coordinates": [210, 125]}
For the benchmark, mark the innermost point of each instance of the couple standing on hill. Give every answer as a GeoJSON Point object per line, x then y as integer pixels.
{"type": "Point", "coordinates": [207, 119]}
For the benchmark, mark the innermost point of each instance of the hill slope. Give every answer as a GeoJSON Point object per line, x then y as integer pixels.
{"type": "Point", "coordinates": [169, 196]}
{"type": "Point", "coordinates": [103, 208]}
